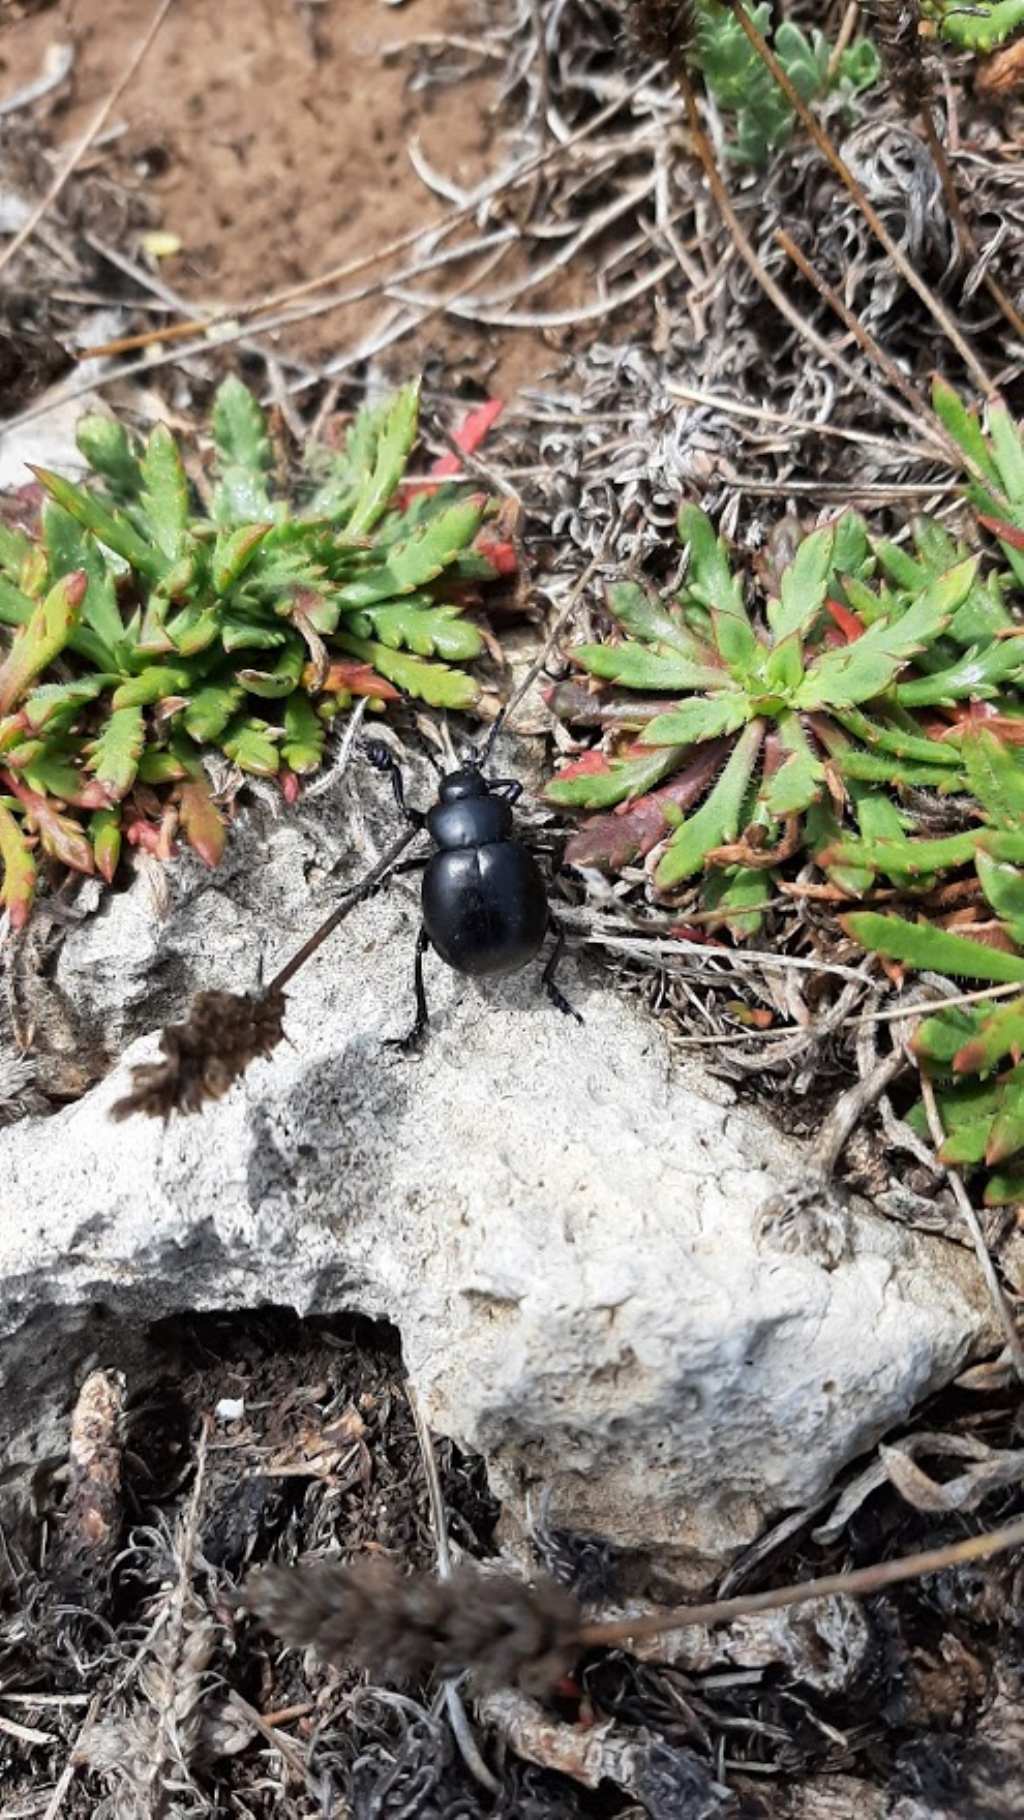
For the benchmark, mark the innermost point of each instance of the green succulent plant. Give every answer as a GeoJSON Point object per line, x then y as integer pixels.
{"type": "Point", "coordinates": [974, 1054]}
{"type": "Point", "coordinates": [148, 624]}
{"type": "Point", "coordinates": [806, 743]}
{"type": "Point", "coordinates": [744, 89]}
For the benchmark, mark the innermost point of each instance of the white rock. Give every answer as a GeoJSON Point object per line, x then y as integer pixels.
{"type": "Point", "coordinates": [567, 1234]}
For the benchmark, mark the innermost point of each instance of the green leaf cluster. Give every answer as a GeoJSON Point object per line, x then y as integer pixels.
{"type": "Point", "coordinates": [744, 89]}
{"type": "Point", "coordinates": [832, 695]}
{"type": "Point", "coordinates": [974, 1054]}
{"type": "Point", "coordinates": [148, 621]}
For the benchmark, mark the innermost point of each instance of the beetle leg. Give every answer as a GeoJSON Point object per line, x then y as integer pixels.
{"type": "Point", "coordinates": [378, 755]}
{"type": "Point", "coordinates": [415, 1036]}
{"type": "Point", "coordinates": [547, 978]}
{"type": "Point", "coordinates": [510, 788]}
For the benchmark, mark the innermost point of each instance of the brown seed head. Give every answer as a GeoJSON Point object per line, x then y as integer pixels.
{"type": "Point", "coordinates": [506, 1632]}
{"type": "Point", "coordinates": [206, 1054]}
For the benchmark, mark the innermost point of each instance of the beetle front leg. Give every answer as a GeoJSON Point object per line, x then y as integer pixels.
{"type": "Point", "coordinates": [415, 1036]}
{"type": "Point", "coordinates": [547, 978]}
{"type": "Point", "coordinates": [382, 759]}
{"type": "Point", "coordinates": [510, 788]}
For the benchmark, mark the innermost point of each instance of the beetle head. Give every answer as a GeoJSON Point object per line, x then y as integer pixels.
{"type": "Point", "coordinates": [459, 784]}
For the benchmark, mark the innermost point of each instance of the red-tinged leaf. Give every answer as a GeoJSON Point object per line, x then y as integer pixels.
{"type": "Point", "coordinates": [592, 764]}
{"type": "Point", "coordinates": [474, 428]}
{"type": "Point", "coordinates": [845, 620]}
{"type": "Point", "coordinates": [41, 638]}
{"type": "Point", "coordinates": [13, 730]}
{"type": "Point", "coordinates": [289, 787]}
{"type": "Point", "coordinates": [468, 437]}
{"type": "Point", "coordinates": [690, 932]}
{"type": "Point", "coordinates": [151, 838]}
{"type": "Point", "coordinates": [630, 830]}
{"type": "Point", "coordinates": [347, 675]}
{"type": "Point", "coordinates": [201, 819]}
{"type": "Point", "coordinates": [754, 1018]}
{"type": "Point", "coordinates": [499, 553]}
{"type": "Point", "coordinates": [18, 870]}
{"type": "Point", "coordinates": [60, 835]}
{"type": "Point", "coordinates": [105, 834]}
{"type": "Point", "coordinates": [1010, 534]}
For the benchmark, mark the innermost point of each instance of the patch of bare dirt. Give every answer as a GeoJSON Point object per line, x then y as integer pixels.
{"type": "Point", "coordinates": [272, 139]}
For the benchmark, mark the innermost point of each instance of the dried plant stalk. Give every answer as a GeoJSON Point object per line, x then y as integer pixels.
{"type": "Point", "coordinates": [509, 1633]}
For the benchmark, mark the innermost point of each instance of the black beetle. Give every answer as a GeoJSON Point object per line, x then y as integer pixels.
{"type": "Point", "coordinates": [485, 906]}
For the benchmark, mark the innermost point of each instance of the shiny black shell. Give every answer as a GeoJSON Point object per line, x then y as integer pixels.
{"type": "Point", "coordinates": [485, 908]}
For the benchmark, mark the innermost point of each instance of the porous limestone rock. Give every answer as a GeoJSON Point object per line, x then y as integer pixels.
{"type": "Point", "coordinates": [566, 1230]}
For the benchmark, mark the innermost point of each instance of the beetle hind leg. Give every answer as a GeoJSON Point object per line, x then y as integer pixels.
{"type": "Point", "coordinates": [547, 978]}
{"type": "Point", "coordinates": [408, 1044]}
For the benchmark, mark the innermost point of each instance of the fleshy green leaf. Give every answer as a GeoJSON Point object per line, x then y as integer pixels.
{"type": "Point", "coordinates": [238, 634]}
{"type": "Point", "coordinates": [798, 781]}
{"type": "Point", "coordinates": [104, 443]}
{"type": "Point", "coordinates": [624, 779]}
{"type": "Point", "coordinates": [105, 835]}
{"type": "Point", "coordinates": [61, 836]}
{"type": "Point", "coordinates": [428, 631]}
{"type": "Point", "coordinates": [973, 676]}
{"type": "Point", "coordinates": [638, 666]}
{"type": "Point", "coordinates": [863, 669]}
{"type": "Point", "coordinates": [53, 704]}
{"type": "Point", "coordinates": [920, 945]}
{"type": "Point", "coordinates": [717, 820]}
{"type": "Point", "coordinates": [233, 552]}
{"type": "Point", "coordinates": [964, 428]}
{"type": "Point", "coordinates": [164, 497]}
{"type": "Point", "coordinates": [1006, 1135]}
{"type": "Point", "coordinates": [644, 617]}
{"type": "Point", "coordinates": [200, 818]}
{"type": "Point", "coordinates": [702, 718]}
{"type": "Point", "coordinates": [14, 548]}
{"type": "Point", "coordinates": [42, 638]}
{"type": "Point", "coordinates": [116, 752]}
{"type": "Point", "coordinates": [112, 529]}
{"type": "Point", "coordinates": [1004, 1190]}
{"type": "Point", "coordinates": [395, 438]}
{"type": "Point", "coordinates": [419, 558]}
{"type": "Point", "coordinates": [885, 737]}
{"type": "Point", "coordinates": [802, 587]}
{"type": "Point", "coordinates": [18, 886]}
{"type": "Point", "coordinates": [244, 456]}
{"type": "Point", "coordinates": [247, 744]}
{"type": "Point", "coordinates": [433, 683]}
{"type": "Point", "coordinates": [739, 892]}
{"type": "Point", "coordinates": [152, 685]}
{"type": "Point", "coordinates": [71, 547]}
{"type": "Point", "coordinates": [990, 1034]}
{"type": "Point", "coordinates": [282, 679]}
{"type": "Point", "coordinates": [303, 746]}
{"type": "Point", "coordinates": [709, 578]}
{"type": "Point", "coordinates": [211, 708]}
{"type": "Point", "coordinates": [904, 858]}
{"type": "Point", "coordinates": [995, 774]}
{"type": "Point", "coordinates": [15, 607]}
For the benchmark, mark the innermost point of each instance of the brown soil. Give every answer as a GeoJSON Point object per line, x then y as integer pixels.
{"type": "Point", "coordinates": [272, 139]}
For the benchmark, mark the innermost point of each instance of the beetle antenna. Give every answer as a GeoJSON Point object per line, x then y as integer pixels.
{"type": "Point", "coordinates": [551, 641]}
